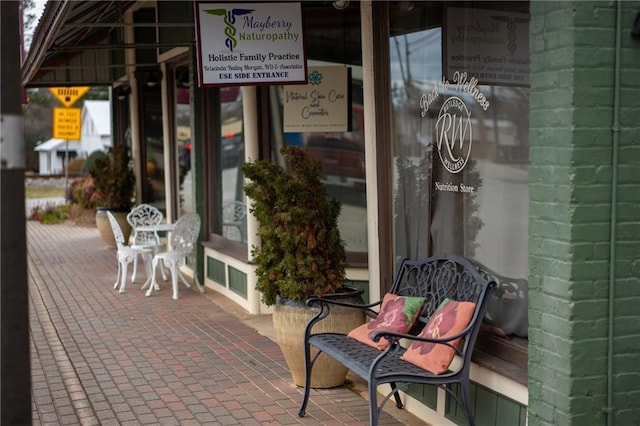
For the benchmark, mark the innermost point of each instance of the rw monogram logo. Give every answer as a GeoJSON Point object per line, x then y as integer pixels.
{"type": "Point", "coordinates": [453, 134]}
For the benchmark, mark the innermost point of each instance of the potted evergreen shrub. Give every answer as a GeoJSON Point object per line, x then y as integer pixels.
{"type": "Point", "coordinates": [301, 255]}
{"type": "Point", "coordinates": [114, 189]}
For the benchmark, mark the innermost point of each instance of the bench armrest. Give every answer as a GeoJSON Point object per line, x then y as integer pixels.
{"type": "Point", "coordinates": [395, 337]}
{"type": "Point", "coordinates": [325, 308]}
{"type": "Point", "coordinates": [323, 301]}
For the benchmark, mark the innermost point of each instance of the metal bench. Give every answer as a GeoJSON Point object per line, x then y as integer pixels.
{"type": "Point", "coordinates": [436, 278]}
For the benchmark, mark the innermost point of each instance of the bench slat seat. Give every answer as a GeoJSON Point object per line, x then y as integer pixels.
{"type": "Point", "coordinates": [359, 357]}
{"type": "Point", "coordinates": [437, 279]}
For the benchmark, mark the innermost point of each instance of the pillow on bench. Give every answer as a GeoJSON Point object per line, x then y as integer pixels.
{"type": "Point", "coordinates": [397, 314]}
{"type": "Point", "coordinates": [448, 320]}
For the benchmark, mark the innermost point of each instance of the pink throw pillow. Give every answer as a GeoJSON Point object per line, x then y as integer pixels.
{"type": "Point", "coordinates": [447, 321]}
{"type": "Point", "coordinates": [397, 314]}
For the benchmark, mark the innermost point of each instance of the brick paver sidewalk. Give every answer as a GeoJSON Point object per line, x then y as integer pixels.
{"type": "Point", "coordinates": [99, 357]}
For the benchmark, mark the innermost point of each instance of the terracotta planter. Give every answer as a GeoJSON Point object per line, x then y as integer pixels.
{"type": "Point", "coordinates": [104, 227]}
{"type": "Point", "coordinates": [290, 319]}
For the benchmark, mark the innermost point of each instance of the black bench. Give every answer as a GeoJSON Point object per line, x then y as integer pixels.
{"type": "Point", "coordinates": [437, 278]}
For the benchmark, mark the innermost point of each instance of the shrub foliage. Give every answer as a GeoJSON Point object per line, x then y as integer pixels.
{"type": "Point", "coordinates": [301, 252]}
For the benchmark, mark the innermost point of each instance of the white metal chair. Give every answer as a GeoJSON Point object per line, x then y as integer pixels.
{"type": "Point", "coordinates": [127, 254]}
{"type": "Point", "coordinates": [144, 215]}
{"type": "Point", "coordinates": [234, 215]}
{"type": "Point", "coordinates": [183, 244]}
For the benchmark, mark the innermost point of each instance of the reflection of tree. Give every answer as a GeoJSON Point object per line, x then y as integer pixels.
{"type": "Point", "coordinates": [412, 208]}
{"type": "Point", "coordinates": [455, 223]}
{"type": "Point", "coordinates": [429, 221]}
{"type": "Point", "coordinates": [506, 123]}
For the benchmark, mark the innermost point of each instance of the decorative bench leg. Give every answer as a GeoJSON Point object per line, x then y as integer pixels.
{"type": "Point", "coordinates": [396, 395]}
{"type": "Point", "coordinates": [373, 403]}
{"type": "Point", "coordinates": [307, 380]}
{"type": "Point", "coordinates": [464, 387]}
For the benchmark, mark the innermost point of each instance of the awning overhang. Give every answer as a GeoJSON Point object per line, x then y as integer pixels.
{"type": "Point", "coordinates": [82, 43]}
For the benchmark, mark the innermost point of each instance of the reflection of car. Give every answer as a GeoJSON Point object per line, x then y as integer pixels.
{"type": "Point", "coordinates": [184, 155]}
{"type": "Point", "coordinates": [232, 143]}
{"type": "Point", "coordinates": [231, 149]}
{"type": "Point", "coordinates": [342, 160]}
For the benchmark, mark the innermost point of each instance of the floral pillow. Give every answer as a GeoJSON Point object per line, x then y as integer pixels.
{"type": "Point", "coordinates": [397, 314]}
{"type": "Point", "coordinates": [448, 320]}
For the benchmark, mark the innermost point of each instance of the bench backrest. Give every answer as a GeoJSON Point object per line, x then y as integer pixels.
{"type": "Point", "coordinates": [443, 277]}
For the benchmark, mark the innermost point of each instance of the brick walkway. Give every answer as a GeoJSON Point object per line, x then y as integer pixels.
{"type": "Point", "coordinates": [99, 357]}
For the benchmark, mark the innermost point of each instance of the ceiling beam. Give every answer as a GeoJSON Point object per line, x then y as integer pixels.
{"type": "Point", "coordinates": [118, 46]}
{"type": "Point", "coordinates": [129, 24]}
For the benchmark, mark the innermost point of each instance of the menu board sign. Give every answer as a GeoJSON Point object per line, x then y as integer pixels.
{"type": "Point", "coordinates": [250, 44]}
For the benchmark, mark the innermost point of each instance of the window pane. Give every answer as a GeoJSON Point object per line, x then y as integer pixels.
{"type": "Point", "coordinates": [234, 224]}
{"type": "Point", "coordinates": [341, 157]}
{"type": "Point", "coordinates": [183, 142]}
{"type": "Point", "coordinates": [460, 134]}
{"type": "Point", "coordinates": [332, 38]}
{"type": "Point", "coordinates": [154, 191]}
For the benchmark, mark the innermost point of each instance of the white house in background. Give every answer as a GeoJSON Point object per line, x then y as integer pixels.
{"type": "Point", "coordinates": [52, 155]}
{"type": "Point", "coordinates": [96, 127]}
{"type": "Point", "coordinates": [95, 135]}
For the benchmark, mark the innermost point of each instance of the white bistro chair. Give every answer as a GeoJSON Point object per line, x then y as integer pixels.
{"type": "Point", "coordinates": [127, 254]}
{"type": "Point", "coordinates": [183, 241]}
{"type": "Point", "coordinates": [234, 221]}
{"type": "Point", "coordinates": [145, 215]}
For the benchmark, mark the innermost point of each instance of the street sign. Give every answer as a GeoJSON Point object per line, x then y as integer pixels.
{"type": "Point", "coordinates": [66, 123]}
{"type": "Point", "coordinates": [69, 95]}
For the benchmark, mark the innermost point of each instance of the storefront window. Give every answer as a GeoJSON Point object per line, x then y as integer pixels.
{"type": "Point", "coordinates": [154, 185]}
{"type": "Point", "coordinates": [332, 40]}
{"type": "Point", "coordinates": [341, 157]}
{"type": "Point", "coordinates": [460, 97]}
{"type": "Point", "coordinates": [183, 143]}
{"type": "Point", "coordinates": [234, 207]}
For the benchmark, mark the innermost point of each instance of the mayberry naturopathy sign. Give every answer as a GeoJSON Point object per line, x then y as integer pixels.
{"type": "Point", "coordinates": [250, 44]}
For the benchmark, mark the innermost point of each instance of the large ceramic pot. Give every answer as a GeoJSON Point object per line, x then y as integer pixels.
{"type": "Point", "coordinates": [290, 319]}
{"type": "Point", "coordinates": [104, 226]}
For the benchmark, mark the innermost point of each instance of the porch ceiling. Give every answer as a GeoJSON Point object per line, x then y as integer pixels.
{"type": "Point", "coordinates": [76, 43]}
{"type": "Point", "coordinates": [81, 43]}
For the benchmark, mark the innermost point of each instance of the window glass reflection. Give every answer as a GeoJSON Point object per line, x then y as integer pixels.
{"type": "Point", "coordinates": [183, 143]}
{"type": "Point", "coordinates": [341, 157]}
{"type": "Point", "coordinates": [234, 210]}
{"type": "Point", "coordinates": [154, 191]}
{"type": "Point", "coordinates": [460, 138]}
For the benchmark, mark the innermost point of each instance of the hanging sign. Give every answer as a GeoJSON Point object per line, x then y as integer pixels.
{"type": "Point", "coordinates": [250, 44]}
{"type": "Point", "coordinates": [69, 95]}
{"type": "Point", "coordinates": [322, 105]}
{"type": "Point", "coordinates": [66, 123]}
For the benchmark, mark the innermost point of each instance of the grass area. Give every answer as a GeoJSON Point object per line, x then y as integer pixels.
{"type": "Point", "coordinates": [43, 191]}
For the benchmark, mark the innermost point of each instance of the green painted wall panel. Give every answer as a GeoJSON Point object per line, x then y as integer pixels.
{"type": "Point", "coordinates": [509, 413]}
{"type": "Point", "coordinates": [238, 282]}
{"type": "Point", "coordinates": [426, 394]}
{"type": "Point", "coordinates": [490, 408]}
{"type": "Point", "coordinates": [485, 410]}
{"type": "Point", "coordinates": [215, 271]}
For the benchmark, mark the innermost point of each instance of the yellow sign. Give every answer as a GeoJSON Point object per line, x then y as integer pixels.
{"type": "Point", "coordinates": [66, 123]}
{"type": "Point", "coordinates": [69, 95]}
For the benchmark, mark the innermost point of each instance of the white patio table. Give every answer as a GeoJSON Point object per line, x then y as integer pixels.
{"type": "Point", "coordinates": [158, 227]}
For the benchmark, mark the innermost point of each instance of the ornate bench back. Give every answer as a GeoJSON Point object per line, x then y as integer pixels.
{"type": "Point", "coordinates": [443, 277]}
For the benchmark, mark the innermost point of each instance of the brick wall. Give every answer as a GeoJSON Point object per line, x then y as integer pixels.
{"type": "Point", "coordinates": [571, 138]}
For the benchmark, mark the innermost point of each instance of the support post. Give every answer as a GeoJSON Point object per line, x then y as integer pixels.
{"type": "Point", "coordinates": [15, 360]}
